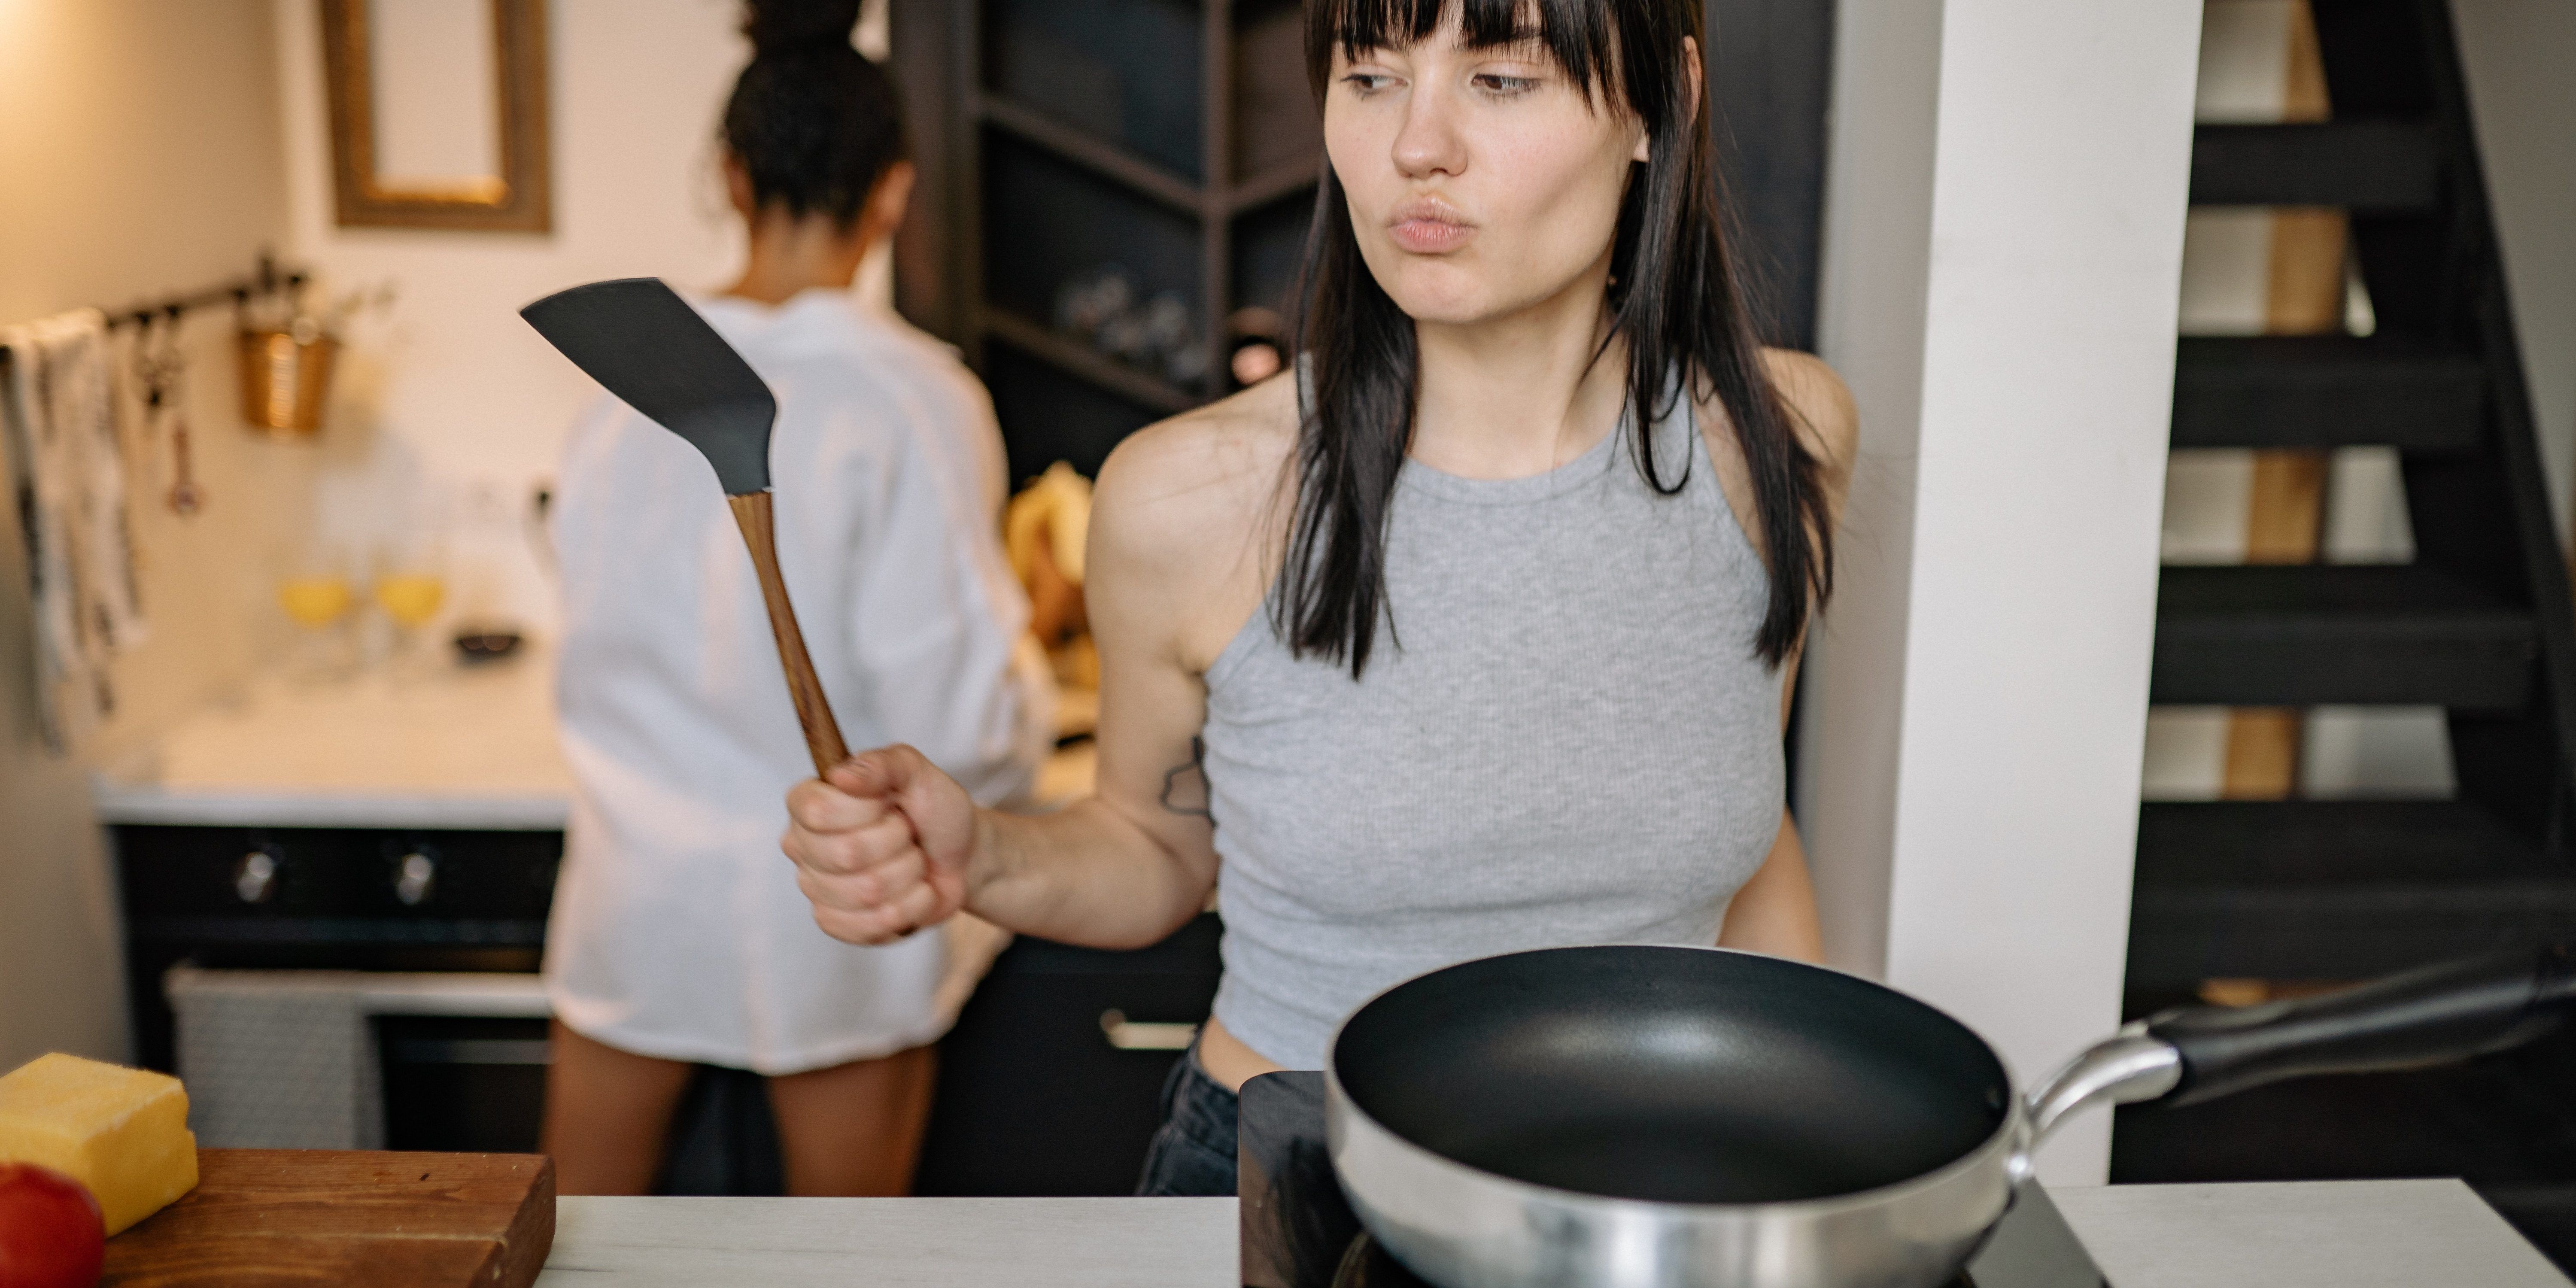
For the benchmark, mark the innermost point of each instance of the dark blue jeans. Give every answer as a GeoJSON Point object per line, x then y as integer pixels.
{"type": "Point", "coordinates": [1193, 1151]}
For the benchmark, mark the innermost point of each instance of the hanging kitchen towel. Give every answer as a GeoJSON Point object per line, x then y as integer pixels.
{"type": "Point", "coordinates": [67, 481]}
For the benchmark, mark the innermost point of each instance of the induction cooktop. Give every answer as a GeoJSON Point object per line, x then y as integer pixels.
{"type": "Point", "coordinates": [1299, 1232]}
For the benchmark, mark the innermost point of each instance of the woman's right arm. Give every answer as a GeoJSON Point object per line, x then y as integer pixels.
{"type": "Point", "coordinates": [887, 843]}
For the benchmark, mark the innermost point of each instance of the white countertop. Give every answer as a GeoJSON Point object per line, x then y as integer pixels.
{"type": "Point", "coordinates": [466, 747]}
{"type": "Point", "coordinates": [2323, 1234]}
{"type": "Point", "coordinates": [2302, 1234]}
{"type": "Point", "coordinates": [892, 1243]}
{"type": "Point", "coordinates": [463, 748]}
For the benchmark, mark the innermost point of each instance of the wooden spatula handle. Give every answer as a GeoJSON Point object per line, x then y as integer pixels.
{"type": "Point", "coordinates": [822, 733]}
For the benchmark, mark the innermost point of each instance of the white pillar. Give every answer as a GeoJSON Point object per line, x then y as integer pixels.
{"type": "Point", "coordinates": [2003, 254]}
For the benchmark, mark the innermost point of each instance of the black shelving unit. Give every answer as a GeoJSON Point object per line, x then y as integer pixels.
{"type": "Point", "coordinates": [1172, 139]}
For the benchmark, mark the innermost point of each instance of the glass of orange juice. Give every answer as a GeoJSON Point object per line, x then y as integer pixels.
{"type": "Point", "coordinates": [411, 587]}
{"type": "Point", "coordinates": [314, 591]}
{"type": "Point", "coordinates": [315, 602]}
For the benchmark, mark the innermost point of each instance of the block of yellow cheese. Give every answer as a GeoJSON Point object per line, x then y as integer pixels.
{"type": "Point", "coordinates": [121, 1132]}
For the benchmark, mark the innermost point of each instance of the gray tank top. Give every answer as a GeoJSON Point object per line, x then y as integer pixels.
{"type": "Point", "coordinates": [1575, 743]}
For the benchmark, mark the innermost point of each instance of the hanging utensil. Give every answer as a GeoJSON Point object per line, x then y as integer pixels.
{"type": "Point", "coordinates": [186, 497]}
{"type": "Point", "coordinates": [638, 338]}
{"type": "Point", "coordinates": [162, 369]}
{"type": "Point", "coordinates": [151, 388]}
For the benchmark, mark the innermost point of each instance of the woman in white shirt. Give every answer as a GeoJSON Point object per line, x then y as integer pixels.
{"type": "Point", "coordinates": [679, 936]}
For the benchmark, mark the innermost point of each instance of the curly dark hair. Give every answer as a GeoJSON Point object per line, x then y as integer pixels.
{"type": "Point", "coordinates": [812, 121]}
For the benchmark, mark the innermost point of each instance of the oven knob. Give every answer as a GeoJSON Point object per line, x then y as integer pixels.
{"type": "Point", "coordinates": [413, 881]}
{"type": "Point", "coordinates": [255, 877]}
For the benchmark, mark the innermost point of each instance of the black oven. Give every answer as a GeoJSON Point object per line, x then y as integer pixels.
{"type": "Point", "coordinates": [1046, 1086]}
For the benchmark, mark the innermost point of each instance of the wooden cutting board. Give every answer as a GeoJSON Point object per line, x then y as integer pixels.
{"type": "Point", "coordinates": [319, 1216]}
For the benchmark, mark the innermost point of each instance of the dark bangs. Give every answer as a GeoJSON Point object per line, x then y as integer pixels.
{"type": "Point", "coordinates": [1577, 33]}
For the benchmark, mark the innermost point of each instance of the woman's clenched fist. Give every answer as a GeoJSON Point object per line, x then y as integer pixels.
{"type": "Point", "coordinates": [882, 845]}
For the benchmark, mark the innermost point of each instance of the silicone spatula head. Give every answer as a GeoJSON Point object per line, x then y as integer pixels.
{"type": "Point", "coordinates": [637, 336]}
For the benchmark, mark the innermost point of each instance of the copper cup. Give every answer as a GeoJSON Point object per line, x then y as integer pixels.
{"type": "Point", "coordinates": [285, 379]}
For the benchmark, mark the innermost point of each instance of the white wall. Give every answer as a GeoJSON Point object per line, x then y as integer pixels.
{"type": "Point", "coordinates": [1880, 162]}
{"type": "Point", "coordinates": [452, 410]}
{"type": "Point", "coordinates": [140, 147]}
{"type": "Point", "coordinates": [2516, 53]}
{"type": "Point", "coordinates": [2003, 255]}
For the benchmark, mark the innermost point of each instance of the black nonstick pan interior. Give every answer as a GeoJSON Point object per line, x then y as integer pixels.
{"type": "Point", "coordinates": [1673, 1074]}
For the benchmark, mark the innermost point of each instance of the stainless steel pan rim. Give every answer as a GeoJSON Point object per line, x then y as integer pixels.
{"type": "Point", "coordinates": [2014, 1126]}
{"type": "Point", "coordinates": [1469, 1227]}
{"type": "Point", "coordinates": [2003, 1141]}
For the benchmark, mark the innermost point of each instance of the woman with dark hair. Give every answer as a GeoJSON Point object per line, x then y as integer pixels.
{"type": "Point", "coordinates": [677, 936]}
{"type": "Point", "coordinates": [1475, 633]}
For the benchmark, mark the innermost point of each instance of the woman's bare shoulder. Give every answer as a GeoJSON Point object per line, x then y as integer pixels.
{"type": "Point", "coordinates": [1821, 410]}
{"type": "Point", "coordinates": [1181, 493]}
{"type": "Point", "coordinates": [1820, 406]}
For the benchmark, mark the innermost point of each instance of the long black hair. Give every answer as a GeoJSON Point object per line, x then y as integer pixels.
{"type": "Point", "coordinates": [813, 122]}
{"type": "Point", "coordinates": [1674, 297]}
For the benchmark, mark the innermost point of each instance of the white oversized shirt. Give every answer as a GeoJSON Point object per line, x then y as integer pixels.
{"type": "Point", "coordinates": [678, 930]}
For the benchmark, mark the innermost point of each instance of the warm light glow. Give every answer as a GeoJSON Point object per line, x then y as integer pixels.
{"type": "Point", "coordinates": [17, 37]}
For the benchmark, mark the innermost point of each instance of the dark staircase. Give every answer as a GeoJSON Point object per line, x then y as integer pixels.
{"type": "Point", "coordinates": [2479, 625]}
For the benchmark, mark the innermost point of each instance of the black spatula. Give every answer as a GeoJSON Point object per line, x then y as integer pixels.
{"type": "Point", "coordinates": [637, 337]}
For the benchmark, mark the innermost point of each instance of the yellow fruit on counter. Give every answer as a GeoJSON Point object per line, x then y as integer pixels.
{"type": "Point", "coordinates": [1053, 510]}
{"type": "Point", "coordinates": [121, 1132]}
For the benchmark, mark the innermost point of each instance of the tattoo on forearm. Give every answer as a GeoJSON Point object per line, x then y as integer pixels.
{"type": "Point", "coordinates": [1185, 787]}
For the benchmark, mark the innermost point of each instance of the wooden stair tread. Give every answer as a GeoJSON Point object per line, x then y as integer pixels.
{"type": "Point", "coordinates": [2326, 391]}
{"type": "Point", "coordinates": [288, 1216]}
{"type": "Point", "coordinates": [2313, 634]}
{"type": "Point", "coordinates": [2394, 593]}
{"type": "Point", "coordinates": [2332, 889]}
{"type": "Point", "coordinates": [2346, 844]}
{"type": "Point", "coordinates": [2383, 165]}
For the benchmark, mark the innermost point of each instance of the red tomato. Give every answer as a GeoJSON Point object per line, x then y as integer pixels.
{"type": "Point", "coordinates": [51, 1233]}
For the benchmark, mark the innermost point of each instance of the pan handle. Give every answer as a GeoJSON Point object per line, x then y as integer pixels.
{"type": "Point", "coordinates": [2125, 1069]}
{"type": "Point", "coordinates": [2435, 1015]}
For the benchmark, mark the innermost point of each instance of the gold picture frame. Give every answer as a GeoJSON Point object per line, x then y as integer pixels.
{"type": "Point", "coordinates": [518, 199]}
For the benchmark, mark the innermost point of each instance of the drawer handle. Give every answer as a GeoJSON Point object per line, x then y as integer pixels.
{"type": "Point", "coordinates": [255, 877]}
{"type": "Point", "coordinates": [417, 877]}
{"type": "Point", "coordinates": [1133, 1035]}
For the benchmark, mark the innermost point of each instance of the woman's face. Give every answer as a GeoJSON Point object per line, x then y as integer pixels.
{"type": "Point", "coordinates": [1480, 181]}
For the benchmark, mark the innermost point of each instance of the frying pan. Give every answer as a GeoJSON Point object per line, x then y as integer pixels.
{"type": "Point", "coordinates": [1632, 1116]}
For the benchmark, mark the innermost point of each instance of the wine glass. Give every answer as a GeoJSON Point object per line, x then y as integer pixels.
{"type": "Point", "coordinates": [411, 588]}
{"type": "Point", "coordinates": [314, 591]}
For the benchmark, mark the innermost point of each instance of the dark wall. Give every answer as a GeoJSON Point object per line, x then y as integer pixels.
{"type": "Point", "coordinates": [1771, 75]}
{"type": "Point", "coordinates": [926, 65]}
